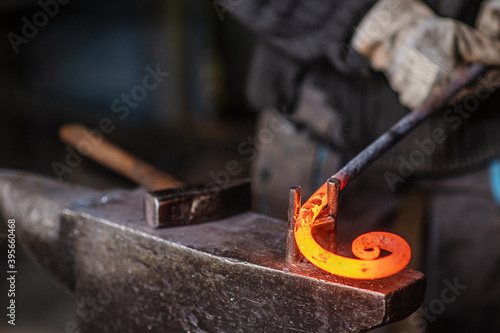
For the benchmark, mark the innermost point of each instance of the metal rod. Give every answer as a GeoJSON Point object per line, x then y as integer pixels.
{"type": "Point", "coordinates": [293, 254]}
{"type": "Point", "coordinates": [398, 131]}
{"type": "Point", "coordinates": [333, 191]}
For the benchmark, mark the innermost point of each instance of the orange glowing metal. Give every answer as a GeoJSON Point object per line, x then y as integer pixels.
{"type": "Point", "coordinates": [366, 247]}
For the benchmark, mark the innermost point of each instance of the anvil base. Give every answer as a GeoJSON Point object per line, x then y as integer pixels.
{"type": "Point", "coordinates": [224, 276]}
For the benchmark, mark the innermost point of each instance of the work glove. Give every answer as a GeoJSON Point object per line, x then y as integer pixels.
{"type": "Point", "coordinates": [488, 19]}
{"type": "Point", "coordinates": [420, 52]}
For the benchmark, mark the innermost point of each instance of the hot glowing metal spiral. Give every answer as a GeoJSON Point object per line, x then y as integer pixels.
{"type": "Point", "coordinates": [366, 247]}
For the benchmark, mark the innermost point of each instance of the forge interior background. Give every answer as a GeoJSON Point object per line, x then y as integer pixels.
{"type": "Point", "coordinates": [64, 63]}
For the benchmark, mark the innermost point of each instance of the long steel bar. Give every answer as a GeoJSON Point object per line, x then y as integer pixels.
{"type": "Point", "coordinates": [398, 131]}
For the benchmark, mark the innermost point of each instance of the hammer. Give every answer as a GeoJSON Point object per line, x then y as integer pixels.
{"type": "Point", "coordinates": [170, 201]}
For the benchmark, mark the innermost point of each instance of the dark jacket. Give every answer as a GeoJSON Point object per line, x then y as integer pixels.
{"type": "Point", "coordinates": [311, 38]}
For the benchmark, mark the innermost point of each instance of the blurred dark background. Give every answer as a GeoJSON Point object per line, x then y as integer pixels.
{"type": "Point", "coordinates": [63, 63]}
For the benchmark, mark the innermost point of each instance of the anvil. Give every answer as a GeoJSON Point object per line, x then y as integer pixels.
{"type": "Point", "coordinates": [229, 275]}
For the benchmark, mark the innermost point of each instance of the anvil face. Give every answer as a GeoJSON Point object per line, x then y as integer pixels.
{"type": "Point", "coordinates": [229, 275]}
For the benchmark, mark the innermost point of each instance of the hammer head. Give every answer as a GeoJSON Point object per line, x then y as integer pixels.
{"type": "Point", "coordinates": [196, 203]}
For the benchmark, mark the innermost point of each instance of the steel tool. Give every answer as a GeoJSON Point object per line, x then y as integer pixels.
{"type": "Point", "coordinates": [170, 201]}
{"type": "Point", "coordinates": [439, 100]}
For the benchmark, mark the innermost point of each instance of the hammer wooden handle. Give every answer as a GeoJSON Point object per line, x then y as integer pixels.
{"type": "Point", "coordinates": [95, 146]}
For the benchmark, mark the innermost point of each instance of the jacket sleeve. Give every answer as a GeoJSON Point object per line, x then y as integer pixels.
{"type": "Point", "coordinates": [306, 29]}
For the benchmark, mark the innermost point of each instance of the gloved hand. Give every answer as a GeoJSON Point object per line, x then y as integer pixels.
{"type": "Point", "coordinates": [419, 51]}
{"type": "Point", "coordinates": [488, 19]}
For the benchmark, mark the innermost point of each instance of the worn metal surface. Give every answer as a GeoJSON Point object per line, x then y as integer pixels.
{"type": "Point", "coordinates": [196, 203]}
{"type": "Point", "coordinates": [225, 276]}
